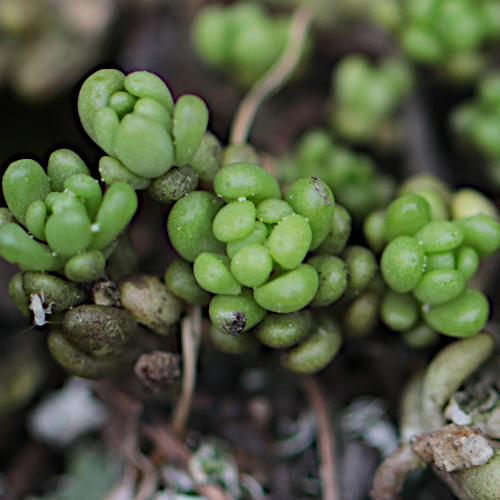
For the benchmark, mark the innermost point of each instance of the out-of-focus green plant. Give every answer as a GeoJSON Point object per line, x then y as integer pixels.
{"type": "Point", "coordinates": [352, 176]}
{"type": "Point", "coordinates": [478, 122]}
{"type": "Point", "coordinates": [366, 99]}
{"type": "Point", "coordinates": [451, 35]}
{"type": "Point", "coordinates": [242, 40]}
{"type": "Point", "coordinates": [455, 37]}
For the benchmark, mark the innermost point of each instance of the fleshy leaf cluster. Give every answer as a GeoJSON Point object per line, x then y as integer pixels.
{"type": "Point", "coordinates": [134, 120]}
{"type": "Point", "coordinates": [478, 122]}
{"type": "Point", "coordinates": [432, 242]}
{"type": "Point", "coordinates": [244, 251]}
{"type": "Point", "coordinates": [366, 98]}
{"type": "Point", "coordinates": [61, 218]}
{"type": "Point", "coordinates": [450, 34]}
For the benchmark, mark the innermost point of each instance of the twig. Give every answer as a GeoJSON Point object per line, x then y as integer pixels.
{"type": "Point", "coordinates": [122, 435]}
{"type": "Point", "coordinates": [173, 448]}
{"type": "Point", "coordinates": [274, 79]}
{"type": "Point", "coordinates": [191, 337]}
{"type": "Point", "coordinates": [391, 473]}
{"type": "Point", "coordinates": [326, 439]}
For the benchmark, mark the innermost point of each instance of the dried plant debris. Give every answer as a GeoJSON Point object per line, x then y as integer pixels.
{"type": "Point", "coordinates": [454, 447]}
{"type": "Point", "coordinates": [392, 472]}
{"type": "Point", "coordinates": [158, 370]}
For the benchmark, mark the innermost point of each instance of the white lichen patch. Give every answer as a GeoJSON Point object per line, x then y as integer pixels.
{"type": "Point", "coordinates": [68, 413]}
{"type": "Point", "coordinates": [456, 414]}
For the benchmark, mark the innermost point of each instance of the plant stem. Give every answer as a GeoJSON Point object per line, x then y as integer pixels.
{"type": "Point", "coordinates": [326, 438]}
{"type": "Point", "coordinates": [191, 337]}
{"type": "Point", "coordinates": [391, 473]}
{"type": "Point", "coordinates": [277, 76]}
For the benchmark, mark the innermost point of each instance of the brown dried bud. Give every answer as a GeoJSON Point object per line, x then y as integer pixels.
{"type": "Point", "coordinates": [106, 293]}
{"type": "Point", "coordinates": [158, 370]}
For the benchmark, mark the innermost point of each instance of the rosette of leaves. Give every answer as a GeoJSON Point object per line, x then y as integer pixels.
{"type": "Point", "coordinates": [366, 98]}
{"type": "Point", "coordinates": [135, 121]}
{"type": "Point", "coordinates": [478, 122]}
{"type": "Point", "coordinates": [242, 39]}
{"type": "Point", "coordinates": [246, 252]}
{"type": "Point", "coordinates": [432, 241]}
{"type": "Point", "coordinates": [352, 176]}
{"type": "Point", "coordinates": [60, 218]}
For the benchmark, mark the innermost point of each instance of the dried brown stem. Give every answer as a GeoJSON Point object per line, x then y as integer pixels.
{"type": "Point", "coordinates": [122, 435]}
{"type": "Point", "coordinates": [191, 337]}
{"type": "Point", "coordinates": [326, 438]}
{"type": "Point", "coordinates": [277, 76]}
{"type": "Point", "coordinates": [391, 474]}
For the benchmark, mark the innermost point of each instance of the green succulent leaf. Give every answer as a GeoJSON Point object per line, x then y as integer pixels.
{"type": "Point", "coordinates": [95, 93]}
{"type": "Point", "coordinates": [118, 206]}
{"type": "Point", "coordinates": [88, 190]}
{"type": "Point", "coordinates": [144, 146]}
{"type": "Point", "coordinates": [18, 247]}
{"type": "Point", "coordinates": [36, 215]}
{"type": "Point", "coordinates": [64, 163]}
{"type": "Point", "coordinates": [145, 84]}
{"type": "Point", "coordinates": [68, 231]}
{"type": "Point", "coordinates": [23, 182]}
{"type": "Point", "coordinates": [190, 121]}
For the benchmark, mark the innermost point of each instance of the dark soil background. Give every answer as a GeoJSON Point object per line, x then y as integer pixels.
{"type": "Point", "coordinates": [249, 402]}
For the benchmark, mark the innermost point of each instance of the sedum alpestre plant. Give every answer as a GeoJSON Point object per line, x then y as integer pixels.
{"type": "Point", "coordinates": [262, 256]}
{"type": "Point", "coordinates": [432, 241]}
{"type": "Point", "coordinates": [315, 250]}
{"type": "Point", "coordinates": [243, 249]}
{"type": "Point", "coordinates": [75, 226]}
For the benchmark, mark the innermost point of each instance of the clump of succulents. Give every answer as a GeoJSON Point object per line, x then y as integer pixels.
{"type": "Point", "coordinates": [432, 241]}
{"type": "Point", "coordinates": [60, 219]}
